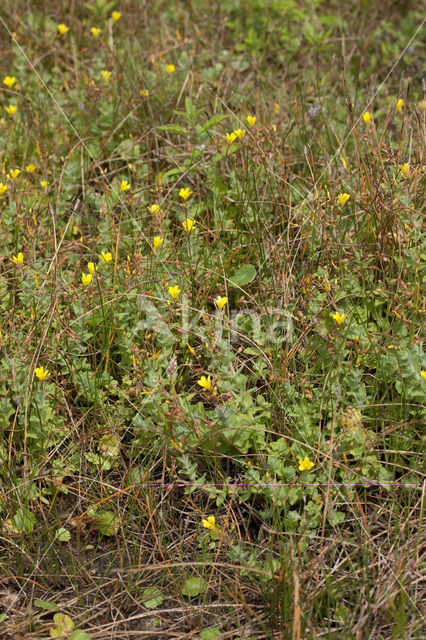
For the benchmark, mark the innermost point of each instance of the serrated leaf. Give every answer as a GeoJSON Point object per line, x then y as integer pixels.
{"type": "Point", "coordinates": [152, 598]}
{"type": "Point", "coordinates": [213, 122]}
{"type": "Point", "coordinates": [173, 128]}
{"type": "Point", "coordinates": [244, 275]}
{"type": "Point", "coordinates": [193, 587]}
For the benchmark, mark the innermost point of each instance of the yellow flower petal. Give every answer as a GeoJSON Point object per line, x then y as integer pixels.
{"type": "Point", "coordinates": [366, 116]}
{"type": "Point", "coordinates": [41, 373]}
{"type": "Point", "coordinates": [9, 81]}
{"type": "Point", "coordinates": [204, 382]}
{"type": "Point", "coordinates": [188, 224]}
{"type": "Point", "coordinates": [174, 291]}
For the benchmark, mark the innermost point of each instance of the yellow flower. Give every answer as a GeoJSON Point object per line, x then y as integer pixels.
{"type": "Point", "coordinates": [276, 108]}
{"type": "Point", "coordinates": [86, 278]}
{"type": "Point", "coordinates": [343, 198]}
{"type": "Point", "coordinates": [3, 188]}
{"type": "Point", "coordinates": [106, 75]}
{"type": "Point", "coordinates": [251, 120]}
{"type": "Point", "coordinates": [343, 161]}
{"type": "Point", "coordinates": [62, 29]}
{"type": "Point", "coordinates": [157, 241]}
{"type": "Point", "coordinates": [124, 185]}
{"type": "Point", "coordinates": [230, 137]}
{"type": "Point", "coordinates": [177, 445]}
{"type": "Point", "coordinates": [41, 373]}
{"type": "Point", "coordinates": [366, 117]}
{"type": "Point", "coordinates": [10, 110]}
{"type": "Point", "coordinates": [399, 104]}
{"type": "Point", "coordinates": [19, 259]}
{"type": "Point", "coordinates": [305, 464]}
{"type": "Point", "coordinates": [422, 104]}
{"type": "Point", "coordinates": [170, 68]}
{"type": "Point", "coordinates": [14, 173]}
{"type": "Point", "coordinates": [91, 267]}
{"type": "Point", "coordinates": [95, 31]}
{"type": "Point", "coordinates": [404, 168]}
{"type": "Point", "coordinates": [185, 193]}
{"type": "Point", "coordinates": [423, 374]}
{"type": "Point", "coordinates": [43, 184]}
{"type": "Point", "coordinates": [174, 291]}
{"type": "Point", "coordinates": [188, 224]}
{"type": "Point", "coordinates": [9, 81]}
{"type": "Point", "coordinates": [209, 523]}
{"type": "Point", "coordinates": [154, 208]}
{"type": "Point", "coordinates": [192, 351]}
{"type": "Point", "coordinates": [30, 168]}
{"type": "Point", "coordinates": [144, 93]}
{"type": "Point", "coordinates": [339, 317]}
{"type": "Point", "coordinates": [106, 257]}
{"type": "Point", "coordinates": [240, 133]}
{"type": "Point", "coordinates": [115, 15]}
{"type": "Point", "coordinates": [204, 382]}
{"type": "Point", "coordinates": [221, 301]}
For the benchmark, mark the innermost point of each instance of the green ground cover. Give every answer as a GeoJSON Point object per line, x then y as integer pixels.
{"type": "Point", "coordinates": [212, 290]}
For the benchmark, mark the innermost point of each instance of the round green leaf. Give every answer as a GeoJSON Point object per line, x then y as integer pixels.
{"type": "Point", "coordinates": [193, 587]}
{"type": "Point", "coordinates": [210, 634]}
{"type": "Point", "coordinates": [107, 523]}
{"type": "Point", "coordinates": [244, 275]}
{"type": "Point", "coordinates": [152, 597]}
{"type": "Point", "coordinates": [63, 535]}
{"type": "Point", "coordinates": [79, 635]}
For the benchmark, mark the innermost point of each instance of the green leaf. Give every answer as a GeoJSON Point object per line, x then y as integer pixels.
{"type": "Point", "coordinates": [3, 617]}
{"type": "Point", "coordinates": [213, 122]}
{"type": "Point", "coordinates": [24, 520]}
{"type": "Point", "coordinates": [44, 604]}
{"type": "Point", "coordinates": [152, 598]}
{"type": "Point", "coordinates": [244, 275]}
{"type": "Point", "coordinates": [173, 128]}
{"type": "Point", "coordinates": [210, 634]}
{"type": "Point", "coordinates": [109, 445]}
{"type": "Point", "coordinates": [63, 535]}
{"type": "Point", "coordinates": [193, 587]}
{"type": "Point", "coordinates": [79, 635]}
{"type": "Point", "coordinates": [107, 523]}
{"type": "Point", "coordinates": [63, 626]}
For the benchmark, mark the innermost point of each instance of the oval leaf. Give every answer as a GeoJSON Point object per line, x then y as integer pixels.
{"type": "Point", "coordinates": [44, 604]}
{"type": "Point", "coordinates": [210, 634]}
{"type": "Point", "coordinates": [193, 587]}
{"type": "Point", "coordinates": [152, 597]}
{"type": "Point", "coordinates": [63, 535]}
{"type": "Point", "coordinates": [24, 520]}
{"type": "Point", "coordinates": [107, 523]}
{"type": "Point", "coordinates": [244, 275]}
{"type": "Point", "coordinates": [79, 635]}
